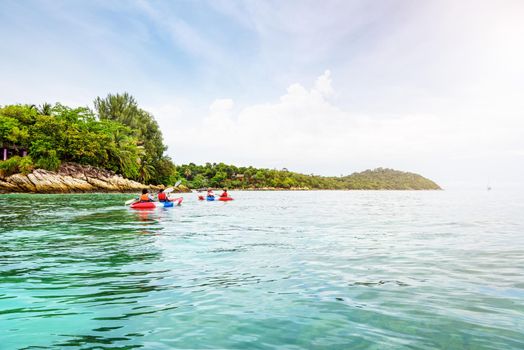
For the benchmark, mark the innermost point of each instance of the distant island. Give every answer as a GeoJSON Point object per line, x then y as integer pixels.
{"type": "Point", "coordinates": [229, 176]}
{"type": "Point", "coordinates": [119, 147]}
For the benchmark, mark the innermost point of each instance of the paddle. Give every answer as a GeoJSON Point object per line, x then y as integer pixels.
{"type": "Point", "coordinates": [171, 189]}
{"type": "Point", "coordinates": [167, 191]}
{"type": "Point", "coordinates": [130, 201]}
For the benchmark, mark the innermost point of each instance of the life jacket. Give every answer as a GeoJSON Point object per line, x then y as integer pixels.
{"type": "Point", "coordinates": [223, 195]}
{"type": "Point", "coordinates": [162, 197]}
{"type": "Point", "coordinates": [144, 198]}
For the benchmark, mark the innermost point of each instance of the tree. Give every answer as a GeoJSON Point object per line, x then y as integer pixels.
{"type": "Point", "coordinates": [124, 109]}
{"type": "Point", "coordinates": [187, 173]}
{"type": "Point", "coordinates": [10, 130]}
{"type": "Point", "coordinates": [119, 107]}
{"type": "Point", "coordinates": [25, 114]}
{"type": "Point", "coordinates": [146, 170]}
{"type": "Point", "coordinates": [217, 180]}
{"type": "Point", "coordinates": [45, 109]}
{"type": "Point", "coordinates": [199, 181]}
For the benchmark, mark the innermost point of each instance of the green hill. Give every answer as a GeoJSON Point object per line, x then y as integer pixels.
{"type": "Point", "coordinates": [223, 175]}
{"type": "Point", "coordinates": [388, 179]}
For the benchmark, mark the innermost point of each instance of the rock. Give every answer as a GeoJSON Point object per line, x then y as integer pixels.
{"type": "Point", "coordinates": [101, 184]}
{"type": "Point", "coordinates": [45, 182]}
{"type": "Point", "coordinates": [78, 185]}
{"type": "Point", "coordinates": [70, 177]}
{"type": "Point", "coordinates": [7, 187]}
{"type": "Point", "coordinates": [22, 182]}
{"type": "Point", "coordinates": [182, 188]}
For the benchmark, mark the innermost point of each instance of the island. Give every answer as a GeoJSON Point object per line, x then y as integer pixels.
{"type": "Point", "coordinates": [118, 147]}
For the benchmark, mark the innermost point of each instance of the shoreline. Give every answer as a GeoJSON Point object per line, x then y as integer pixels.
{"type": "Point", "coordinates": [73, 178]}
{"type": "Point", "coordinates": [187, 190]}
{"type": "Point", "coordinates": [330, 189]}
{"type": "Point", "coordinates": [233, 190]}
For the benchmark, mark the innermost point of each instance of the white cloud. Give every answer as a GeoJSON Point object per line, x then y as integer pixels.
{"type": "Point", "coordinates": [221, 106]}
{"type": "Point", "coordinates": [306, 131]}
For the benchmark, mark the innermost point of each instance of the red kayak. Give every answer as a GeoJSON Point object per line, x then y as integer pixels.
{"type": "Point", "coordinates": [224, 199]}
{"type": "Point", "coordinates": [175, 201]}
{"type": "Point", "coordinates": [143, 205]}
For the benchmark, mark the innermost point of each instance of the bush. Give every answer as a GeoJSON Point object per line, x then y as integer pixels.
{"type": "Point", "coordinates": [25, 165]}
{"type": "Point", "coordinates": [10, 166]}
{"type": "Point", "coordinates": [49, 162]}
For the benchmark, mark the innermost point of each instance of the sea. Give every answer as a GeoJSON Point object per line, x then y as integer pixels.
{"type": "Point", "coordinates": [268, 270]}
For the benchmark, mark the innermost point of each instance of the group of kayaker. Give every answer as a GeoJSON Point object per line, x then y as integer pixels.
{"type": "Point", "coordinates": [164, 197]}
{"type": "Point", "coordinates": [146, 196]}
{"type": "Point", "coordinates": [211, 194]}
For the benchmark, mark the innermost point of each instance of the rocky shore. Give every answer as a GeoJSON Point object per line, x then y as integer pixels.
{"type": "Point", "coordinates": [70, 178]}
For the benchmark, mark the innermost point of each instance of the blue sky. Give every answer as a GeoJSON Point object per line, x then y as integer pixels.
{"type": "Point", "coordinates": [327, 87]}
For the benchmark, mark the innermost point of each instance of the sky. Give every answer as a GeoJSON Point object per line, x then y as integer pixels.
{"type": "Point", "coordinates": [322, 87]}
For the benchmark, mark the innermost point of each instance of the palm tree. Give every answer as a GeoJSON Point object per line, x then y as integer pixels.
{"type": "Point", "coordinates": [125, 152]}
{"type": "Point", "coordinates": [45, 109]}
{"type": "Point", "coordinates": [187, 173]}
{"type": "Point", "coordinates": [146, 170]}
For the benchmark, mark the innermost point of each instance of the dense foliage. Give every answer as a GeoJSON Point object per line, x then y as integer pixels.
{"type": "Point", "coordinates": [117, 136]}
{"type": "Point", "coordinates": [230, 176]}
{"type": "Point", "coordinates": [123, 109]}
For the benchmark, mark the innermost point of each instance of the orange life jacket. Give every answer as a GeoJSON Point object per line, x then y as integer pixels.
{"type": "Point", "coordinates": [144, 198]}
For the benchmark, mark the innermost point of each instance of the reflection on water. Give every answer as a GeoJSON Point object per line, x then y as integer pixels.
{"type": "Point", "coordinates": [419, 270]}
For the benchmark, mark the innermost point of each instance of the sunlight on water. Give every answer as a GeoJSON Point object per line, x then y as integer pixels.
{"type": "Point", "coordinates": [337, 270]}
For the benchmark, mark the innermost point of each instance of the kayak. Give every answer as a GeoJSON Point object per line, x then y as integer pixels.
{"type": "Point", "coordinates": [174, 201]}
{"type": "Point", "coordinates": [152, 205]}
{"type": "Point", "coordinates": [211, 198]}
{"type": "Point", "coordinates": [143, 205]}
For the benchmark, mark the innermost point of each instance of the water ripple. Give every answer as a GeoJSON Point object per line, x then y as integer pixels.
{"type": "Point", "coordinates": [299, 270]}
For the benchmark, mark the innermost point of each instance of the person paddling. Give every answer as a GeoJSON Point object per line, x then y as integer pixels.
{"type": "Point", "coordinates": [210, 193]}
{"type": "Point", "coordinates": [145, 197]}
{"type": "Point", "coordinates": [162, 196]}
{"type": "Point", "coordinates": [224, 194]}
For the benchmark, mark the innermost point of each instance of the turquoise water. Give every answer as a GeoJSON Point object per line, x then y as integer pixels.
{"type": "Point", "coordinates": [287, 270]}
